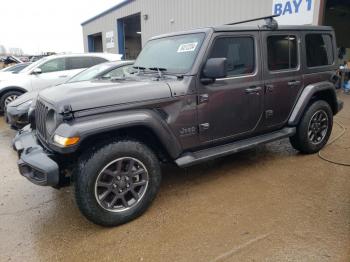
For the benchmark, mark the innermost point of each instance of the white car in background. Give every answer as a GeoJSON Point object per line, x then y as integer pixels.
{"type": "Point", "coordinates": [46, 72]}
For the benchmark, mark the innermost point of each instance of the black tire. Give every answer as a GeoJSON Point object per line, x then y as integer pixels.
{"type": "Point", "coordinates": [90, 170]}
{"type": "Point", "coordinates": [6, 96]}
{"type": "Point", "coordinates": [302, 141]}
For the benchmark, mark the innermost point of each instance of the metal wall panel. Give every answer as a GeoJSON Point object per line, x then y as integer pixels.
{"type": "Point", "coordinates": [175, 15]}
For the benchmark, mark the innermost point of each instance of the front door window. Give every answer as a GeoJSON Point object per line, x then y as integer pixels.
{"type": "Point", "coordinates": [54, 65]}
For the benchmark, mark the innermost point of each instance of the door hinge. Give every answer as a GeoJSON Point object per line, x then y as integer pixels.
{"type": "Point", "coordinates": [269, 88]}
{"type": "Point", "coordinates": [67, 113]}
{"type": "Point", "coordinates": [203, 127]}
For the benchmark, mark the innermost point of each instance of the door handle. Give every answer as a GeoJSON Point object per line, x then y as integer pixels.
{"type": "Point", "coordinates": [294, 83]}
{"type": "Point", "coordinates": [253, 90]}
{"type": "Point", "coordinates": [63, 76]}
{"type": "Point", "coordinates": [203, 98]}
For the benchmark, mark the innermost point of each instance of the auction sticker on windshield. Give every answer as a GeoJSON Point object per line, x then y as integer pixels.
{"type": "Point", "coordinates": [189, 47]}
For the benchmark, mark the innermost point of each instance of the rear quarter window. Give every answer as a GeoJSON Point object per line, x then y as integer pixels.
{"type": "Point", "coordinates": [319, 50]}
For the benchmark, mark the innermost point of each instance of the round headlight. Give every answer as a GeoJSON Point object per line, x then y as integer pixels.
{"type": "Point", "coordinates": [51, 121]}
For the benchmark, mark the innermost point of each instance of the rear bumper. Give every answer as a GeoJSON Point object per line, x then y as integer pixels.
{"type": "Point", "coordinates": [34, 163]}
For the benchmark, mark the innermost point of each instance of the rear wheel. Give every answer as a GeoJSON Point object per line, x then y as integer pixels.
{"type": "Point", "coordinates": [314, 128]}
{"type": "Point", "coordinates": [8, 97]}
{"type": "Point", "coordinates": [117, 183]}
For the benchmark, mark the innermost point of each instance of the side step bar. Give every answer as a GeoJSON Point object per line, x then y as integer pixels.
{"type": "Point", "coordinates": [192, 158]}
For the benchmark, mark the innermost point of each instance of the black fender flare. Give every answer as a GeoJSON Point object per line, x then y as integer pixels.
{"type": "Point", "coordinates": [86, 127]}
{"type": "Point", "coordinates": [307, 94]}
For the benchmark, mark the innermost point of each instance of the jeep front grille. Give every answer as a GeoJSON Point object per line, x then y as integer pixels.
{"type": "Point", "coordinates": [41, 111]}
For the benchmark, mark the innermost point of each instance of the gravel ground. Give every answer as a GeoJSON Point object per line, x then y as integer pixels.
{"type": "Point", "coordinates": [266, 204]}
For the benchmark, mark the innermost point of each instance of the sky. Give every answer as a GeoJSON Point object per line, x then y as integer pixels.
{"type": "Point", "coordinates": [47, 25]}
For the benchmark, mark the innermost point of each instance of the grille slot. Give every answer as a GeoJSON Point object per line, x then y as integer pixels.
{"type": "Point", "coordinates": [41, 112]}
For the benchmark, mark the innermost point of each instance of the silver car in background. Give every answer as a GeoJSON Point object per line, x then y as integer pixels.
{"type": "Point", "coordinates": [17, 111]}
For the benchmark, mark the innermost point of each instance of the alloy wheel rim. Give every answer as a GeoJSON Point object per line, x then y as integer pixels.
{"type": "Point", "coordinates": [121, 184]}
{"type": "Point", "coordinates": [10, 99]}
{"type": "Point", "coordinates": [318, 127]}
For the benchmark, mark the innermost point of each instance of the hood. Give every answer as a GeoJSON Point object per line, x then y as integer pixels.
{"type": "Point", "coordinates": [100, 93]}
{"type": "Point", "coordinates": [24, 98]}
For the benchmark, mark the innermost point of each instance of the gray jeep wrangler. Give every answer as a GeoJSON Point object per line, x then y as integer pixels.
{"type": "Point", "coordinates": [195, 96]}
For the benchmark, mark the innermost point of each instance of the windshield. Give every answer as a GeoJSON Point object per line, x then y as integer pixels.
{"type": "Point", "coordinates": [175, 54]}
{"type": "Point", "coordinates": [89, 73]}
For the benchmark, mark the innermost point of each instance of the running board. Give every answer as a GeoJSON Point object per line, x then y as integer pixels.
{"type": "Point", "coordinates": [192, 158]}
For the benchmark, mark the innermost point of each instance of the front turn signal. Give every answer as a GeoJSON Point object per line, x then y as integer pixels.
{"type": "Point", "coordinates": [65, 141]}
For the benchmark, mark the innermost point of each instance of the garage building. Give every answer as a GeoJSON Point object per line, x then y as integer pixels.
{"type": "Point", "coordinates": [126, 27]}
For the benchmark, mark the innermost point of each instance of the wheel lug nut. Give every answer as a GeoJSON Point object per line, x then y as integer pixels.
{"type": "Point", "coordinates": [120, 190]}
{"type": "Point", "coordinates": [118, 177]}
{"type": "Point", "coordinates": [127, 185]}
{"type": "Point", "coordinates": [114, 186]}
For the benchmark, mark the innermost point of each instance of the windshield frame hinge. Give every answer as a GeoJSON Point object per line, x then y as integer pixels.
{"type": "Point", "coordinates": [67, 113]}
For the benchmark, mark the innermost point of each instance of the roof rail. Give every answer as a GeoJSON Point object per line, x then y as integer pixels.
{"type": "Point", "coordinates": [271, 23]}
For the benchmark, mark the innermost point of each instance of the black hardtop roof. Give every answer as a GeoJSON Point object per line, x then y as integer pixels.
{"type": "Point", "coordinates": [235, 28]}
{"type": "Point", "coordinates": [280, 28]}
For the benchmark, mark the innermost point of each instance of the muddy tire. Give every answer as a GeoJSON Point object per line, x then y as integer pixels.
{"type": "Point", "coordinates": [117, 182]}
{"type": "Point", "coordinates": [7, 98]}
{"type": "Point", "coordinates": [314, 129]}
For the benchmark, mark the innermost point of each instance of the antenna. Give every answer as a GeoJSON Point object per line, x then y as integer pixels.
{"type": "Point", "coordinates": [271, 23]}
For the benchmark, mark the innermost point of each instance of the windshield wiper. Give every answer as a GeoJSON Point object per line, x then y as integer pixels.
{"type": "Point", "coordinates": [139, 68]}
{"type": "Point", "coordinates": [159, 69]}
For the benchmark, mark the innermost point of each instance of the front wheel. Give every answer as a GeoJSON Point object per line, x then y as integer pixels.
{"type": "Point", "coordinates": [117, 183]}
{"type": "Point", "coordinates": [314, 128]}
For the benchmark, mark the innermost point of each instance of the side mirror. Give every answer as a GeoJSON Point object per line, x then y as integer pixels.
{"type": "Point", "coordinates": [215, 68]}
{"type": "Point", "coordinates": [36, 71]}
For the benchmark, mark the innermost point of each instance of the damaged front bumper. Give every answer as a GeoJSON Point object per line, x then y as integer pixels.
{"type": "Point", "coordinates": [34, 161]}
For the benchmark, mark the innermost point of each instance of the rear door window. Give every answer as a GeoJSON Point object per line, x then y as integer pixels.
{"type": "Point", "coordinates": [80, 62]}
{"type": "Point", "coordinates": [282, 51]}
{"type": "Point", "coordinates": [97, 60]}
{"type": "Point", "coordinates": [319, 50]}
{"type": "Point", "coordinates": [239, 52]}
